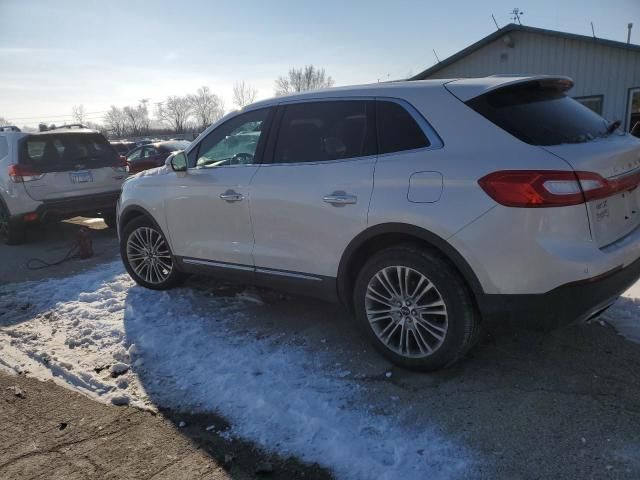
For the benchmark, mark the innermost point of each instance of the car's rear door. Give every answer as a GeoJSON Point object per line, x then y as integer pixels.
{"type": "Point", "coordinates": [70, 164]}
{"type": "Point", "coordinates": [207, 208]}
{"type": "Point", "coordinates": [311, 198]}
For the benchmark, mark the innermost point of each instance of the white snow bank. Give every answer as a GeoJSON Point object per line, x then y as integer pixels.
{"type": "Point", "coordinates": [186, 350]}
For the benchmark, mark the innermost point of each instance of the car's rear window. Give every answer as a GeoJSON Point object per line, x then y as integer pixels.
{"type": "Point", "coordinates": [540, 113]}
{"type": "Point", "coordinates": [67, 151]}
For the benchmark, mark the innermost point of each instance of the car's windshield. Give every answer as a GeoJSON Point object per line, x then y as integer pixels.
{"type": "Point", "coordinates": [173, 146]}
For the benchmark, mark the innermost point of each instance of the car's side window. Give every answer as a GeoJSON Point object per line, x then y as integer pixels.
{"type": "Point", "coordinates": [397, 129]}
{"type": "Point", "coordinates": [233, 143]}
{"type": "Point", "coordinates": [325, 130]}
{"type": "Point", "coordinates": [135, 155]}
{"type": "Point", "coordinates": [148, 152]}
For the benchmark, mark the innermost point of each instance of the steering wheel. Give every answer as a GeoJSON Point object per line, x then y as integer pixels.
{"type": "Point", "coordinates": [241, 158]}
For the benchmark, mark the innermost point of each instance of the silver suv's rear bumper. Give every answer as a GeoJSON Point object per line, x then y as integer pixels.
{"type": "Point", "coordinates": [573, 301]}
{"type": "Point", "coordinates": [80, 205]}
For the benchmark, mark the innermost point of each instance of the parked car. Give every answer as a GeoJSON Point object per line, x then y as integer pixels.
{"type": "Point", "coordinates": [57, 174]}
{"type": "Point", "coordinates": [153, 154]}
{"type": "Point", "coordinates": [122, 147]}
{"type": "Point", "coordinates": [429, 208]}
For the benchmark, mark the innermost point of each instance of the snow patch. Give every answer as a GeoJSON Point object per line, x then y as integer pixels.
{"type": "Point", "coordinates": [185, 350]}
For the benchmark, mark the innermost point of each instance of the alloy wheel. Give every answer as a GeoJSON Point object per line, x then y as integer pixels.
{"type": "Point", "coordinates": [406, 311]}
{"type": "Point", "coordinates": [149, 256]}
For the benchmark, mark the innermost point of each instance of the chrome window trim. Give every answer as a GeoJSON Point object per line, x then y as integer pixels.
{"type": "Point", "coordinates": [247, 268]}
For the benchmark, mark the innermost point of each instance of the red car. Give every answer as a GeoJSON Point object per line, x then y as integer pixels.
{"type": "Point", "coordinates": [153, 155]}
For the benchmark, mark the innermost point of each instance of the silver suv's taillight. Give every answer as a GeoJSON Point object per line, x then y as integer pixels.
{"type": "Point", "coordinates": [19, 174]}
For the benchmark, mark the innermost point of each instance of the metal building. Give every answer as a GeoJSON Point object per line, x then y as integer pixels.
{"type": "Point", "coordinates": [606, 73]}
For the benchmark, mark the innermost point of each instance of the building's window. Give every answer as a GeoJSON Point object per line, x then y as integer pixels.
{"type": "Point", "coordinates": [593, 102]}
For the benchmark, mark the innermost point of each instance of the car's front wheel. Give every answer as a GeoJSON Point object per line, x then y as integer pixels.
{"type": "Point", "coordinates": [147, 256]}
{"type": "Point", "coordinates": [415, 307]}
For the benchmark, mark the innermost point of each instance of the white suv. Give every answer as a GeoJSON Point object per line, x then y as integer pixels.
{"type": "Point", "coordinates": [56, 174]}
{"type": "Point", "coordinates": [426, 207]}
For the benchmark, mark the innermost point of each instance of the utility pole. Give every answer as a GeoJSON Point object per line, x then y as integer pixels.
{"type": "Point", "coordinates": [515, 15]}
{"type": "Point", "coordinates": [434, 52]}
{"type": "Point", "coordinates": [629, 26]}
{"type": "Point", "coordinates": [593, 32]}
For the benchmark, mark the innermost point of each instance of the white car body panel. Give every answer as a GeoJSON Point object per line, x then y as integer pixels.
{"type": "Point", "coordinates": [509, 250]}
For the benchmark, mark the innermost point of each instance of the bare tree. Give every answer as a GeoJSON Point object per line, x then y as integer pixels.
{"type": "Point", "coordinates": [3, 122]}
{"type": "Point", "coordinates": [137, 118]}
{"type": "Point", "coordinates": [175, 111]}
{"type": "Point", "coordinates": [303, 79]}
{"type": "Point", "coordinates": [116, 122]}
{"type": "Point", "coordinates": [206, 107]}
{"type": "Point", "coordinates": [243, 94]}
{"type": "Point", "coordinates": [78, 114]}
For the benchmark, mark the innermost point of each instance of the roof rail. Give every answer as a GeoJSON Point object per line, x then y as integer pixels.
{"type": "Point", "coordinates": [9, 128]}
{"type": "Point", "coordinates": [71, 125]}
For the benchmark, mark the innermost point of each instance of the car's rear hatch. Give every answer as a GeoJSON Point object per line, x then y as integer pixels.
{"type": "Point", "coordinates": [69, 164]}
{"type": "Point", "coordinates": [537, 111]}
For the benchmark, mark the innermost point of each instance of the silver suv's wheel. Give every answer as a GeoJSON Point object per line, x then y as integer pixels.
{"type": "Point", "coordinates": [11, 233]}
{"type": "Point", "coordinates": [406, 311]}
{"type": "Point", "coordinates": [415, 307]}
{"type": "Point", "coordinates": [146, 255]}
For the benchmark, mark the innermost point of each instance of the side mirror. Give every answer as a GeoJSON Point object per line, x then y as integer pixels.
{"type": "Point", "coordinates": [179, 162]}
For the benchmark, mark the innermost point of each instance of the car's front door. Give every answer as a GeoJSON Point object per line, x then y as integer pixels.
{"type": "Point", "coordinates": [208, 207]}
{"type": "Point", "coordinates": [311, 197]}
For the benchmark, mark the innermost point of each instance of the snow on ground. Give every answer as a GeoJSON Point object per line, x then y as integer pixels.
{"type": "Point", "coordinates": [624, 317]}
{"type": "Point", "coordinates": [185, 349]}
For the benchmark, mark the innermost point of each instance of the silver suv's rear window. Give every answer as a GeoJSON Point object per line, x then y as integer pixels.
{"type": "Point", "coordinates": [66, 151]}
{"type": "Point", "coordinates": [540, 113]}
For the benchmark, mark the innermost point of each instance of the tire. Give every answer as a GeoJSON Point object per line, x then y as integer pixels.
{"type": "Point", "coordinates": [110, 220]}
{"type": "Point", "coordinates": [141, 233]}
{"type": "Point", "coordinates": [12, 232]}
{"type": "Point", "coordinates": [410, 333]}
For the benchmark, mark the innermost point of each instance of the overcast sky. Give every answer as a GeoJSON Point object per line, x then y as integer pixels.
{"type": "Point", "coordinates": [56, 54]}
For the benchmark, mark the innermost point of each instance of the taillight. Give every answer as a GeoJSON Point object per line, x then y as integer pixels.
{"type": "Point", "coordinates": [121, 164]}
{"type": "Point", "coordinates": [19, 174]}
{"type": "Point", "coordinates": [550, 188]}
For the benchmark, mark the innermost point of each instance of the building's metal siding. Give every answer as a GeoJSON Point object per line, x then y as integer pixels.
{"type": "Point", "coordinates": [596, 69]}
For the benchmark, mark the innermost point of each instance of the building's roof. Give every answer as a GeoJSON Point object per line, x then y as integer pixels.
{"type": "Point", "coordinates": [512, 27]}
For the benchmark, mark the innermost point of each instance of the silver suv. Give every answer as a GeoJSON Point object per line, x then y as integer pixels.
{"type": "Point", "coordinates": [56, 174]}
{"type": "Point", "coordinates": [428, 208]}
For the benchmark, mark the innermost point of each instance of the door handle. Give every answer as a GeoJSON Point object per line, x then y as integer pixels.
{"type": "Point", "coordinates": [231, 196]}
{"type": "Point", "coordinates": [338, 199]}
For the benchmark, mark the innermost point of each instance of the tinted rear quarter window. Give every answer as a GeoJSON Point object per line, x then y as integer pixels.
{"type": "Point", "coordinates": [322, 131]}
{"type": "Point", "coordinates": [397, 129]}
{"type": "Point", "coordinates": [540, 113]}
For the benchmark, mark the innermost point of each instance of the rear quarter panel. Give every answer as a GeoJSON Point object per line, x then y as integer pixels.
{"type": "Point", "coordinates": [472, 148]}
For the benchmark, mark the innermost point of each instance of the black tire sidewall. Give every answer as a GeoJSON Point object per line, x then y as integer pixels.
{"type": "Point", "coordinates": [126, 232]}
{"type": "Point", "coordinates": [16, 232]}
{"type": "Point", "coordinates": [462, 317]}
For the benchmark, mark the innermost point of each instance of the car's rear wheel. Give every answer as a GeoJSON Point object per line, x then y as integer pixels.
{"type": "Point", "coordinates": [415, 307]}
{"type": "Point", "coordinates": [11, 231]}
{"type": "Point", "coordinates": [147, 256]}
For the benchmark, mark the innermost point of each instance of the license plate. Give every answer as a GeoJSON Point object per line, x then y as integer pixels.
{"type": "Point", "coordinates": [81, 177]}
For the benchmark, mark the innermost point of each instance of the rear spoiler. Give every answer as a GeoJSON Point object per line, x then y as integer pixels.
{"type": "Point", "coordinates": [467, 88]}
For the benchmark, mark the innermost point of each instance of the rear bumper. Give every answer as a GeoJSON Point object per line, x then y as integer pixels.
{"type": "Point", "coordinates": [70, 207]}
{"type": "Point", "coordinates": [572, 301]}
